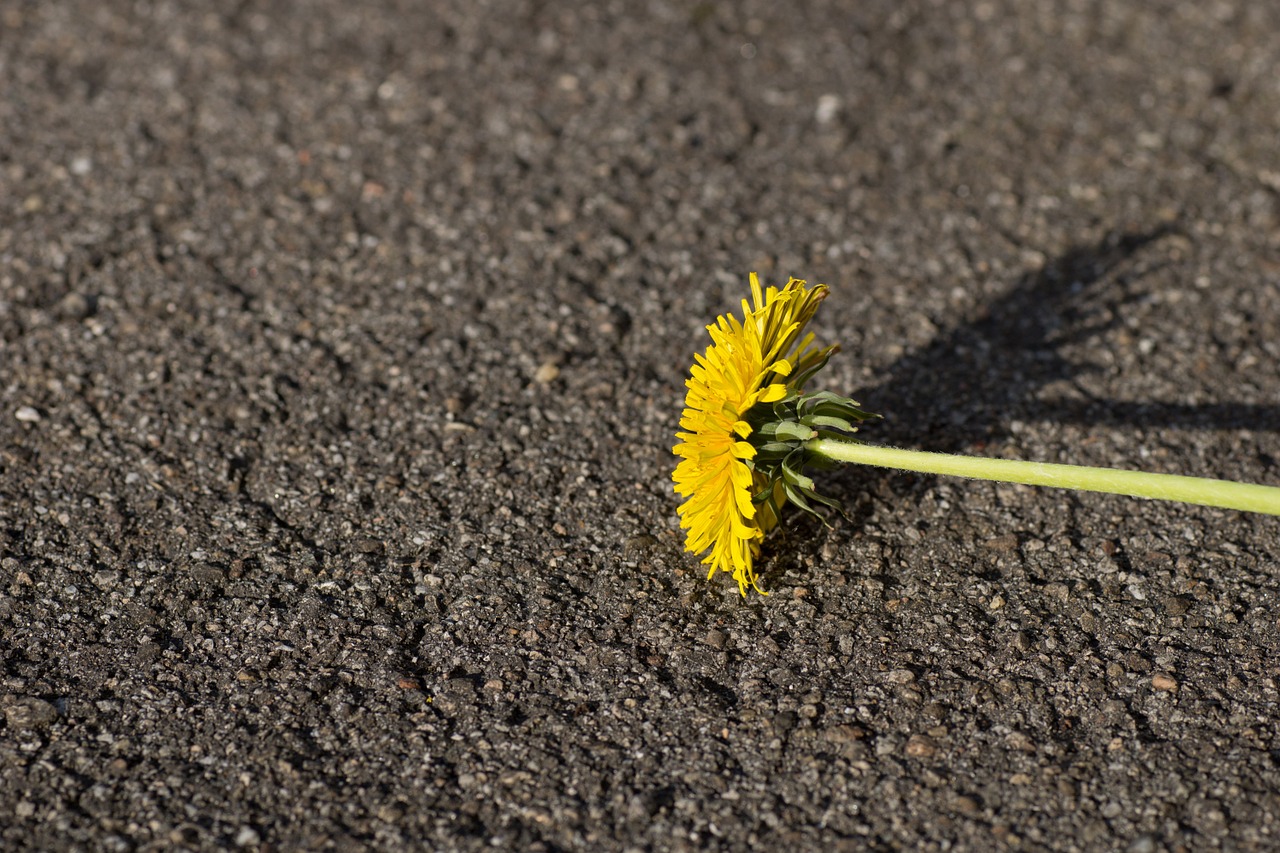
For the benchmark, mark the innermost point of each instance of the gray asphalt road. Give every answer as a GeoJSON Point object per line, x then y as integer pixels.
{"type": "Point", "coordinates": [342, 352]}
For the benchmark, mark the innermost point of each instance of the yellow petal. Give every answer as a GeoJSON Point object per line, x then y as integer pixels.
{"type": "Point", "coordinates": [773, 393]}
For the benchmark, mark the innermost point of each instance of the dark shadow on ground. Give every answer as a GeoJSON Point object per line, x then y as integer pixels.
{"type": "Point", "coordinates": [962, 390]}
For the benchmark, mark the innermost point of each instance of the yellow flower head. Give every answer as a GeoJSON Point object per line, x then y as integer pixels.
{"type": "Point", "coordinates": [748, 362]}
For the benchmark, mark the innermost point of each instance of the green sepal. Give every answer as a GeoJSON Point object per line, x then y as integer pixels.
{"type": "Point", "coordinates": [796, 478]}
{"type": "Point", "coordinates": [772, 448]}
{"type": "Point", "coordinates": [780, 431]}
{"type": "Point", "coordinates": [818, 422]}
{"type": "Point", "coordinates": [796, 496]}
{"type": "Point", "coordinates": [794, 431]}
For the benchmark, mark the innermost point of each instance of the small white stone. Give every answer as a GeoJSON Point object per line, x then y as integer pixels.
{"type": "Point", "coordinates": [81, 166]}
{"type": "Point", "coordinates": [27, 415]}
{"type": "Point", "coordinates": [828, 106]}
{"type": "Point", "coordinates": [248, 837]}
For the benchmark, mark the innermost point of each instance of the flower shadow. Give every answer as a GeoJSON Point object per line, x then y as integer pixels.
{"type": "Point", "coordinates": [964, 388]}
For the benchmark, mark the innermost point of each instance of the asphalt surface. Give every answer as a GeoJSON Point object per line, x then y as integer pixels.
{"type": "Point", "coordinates": [342, 352]}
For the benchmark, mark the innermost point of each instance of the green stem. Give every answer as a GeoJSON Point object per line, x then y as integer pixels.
{"type": "Point", "coordinates": [1168, 487]}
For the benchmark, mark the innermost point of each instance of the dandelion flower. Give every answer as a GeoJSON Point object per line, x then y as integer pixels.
{"type": "Point", "coordinates": [756, 360]}
{"type": "Point", "coordinates": [749, 430]}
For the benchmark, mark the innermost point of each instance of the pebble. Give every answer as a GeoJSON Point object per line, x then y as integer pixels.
{"type": "Point", "coordinates": [844, 734]}
{"type": "Point", "coordinates": [1008, 542]}
{"type": "Point", "coordinates": [248, 837]}
{"type": "Point", "coordinates": [828, 107]}
{"type": "Point", "coordinates": [637, 545]}
{"type": "Point", "coordinates": [1020, 742]}
{"type": "Point", "coordinates": [208, 574]}
{"type": "Point", "coordinates": [1161, 681]}
{"type": "Point", "coordinates": [28, 712]}
{"type": "Point", "coordinates": [546, 373]}
{"type": "Point", "coordinates": [921, 746]}
{"type": "Point", "coordinates": [27, 415]}
{"type": "Point", "coordinates": [717, 639]}
{"type": "Point", "coordinates": [1057, 591]}
{"type": "Point", "coordinates": [900, 676]}
{"type": "Point", "coordinates": [74, 306]}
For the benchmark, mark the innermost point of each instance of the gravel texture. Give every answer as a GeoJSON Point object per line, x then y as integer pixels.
{"type": "Point", "coordinates": [341, 351]}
